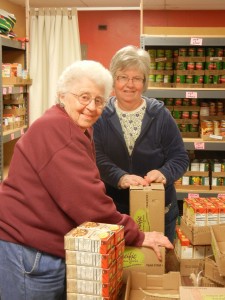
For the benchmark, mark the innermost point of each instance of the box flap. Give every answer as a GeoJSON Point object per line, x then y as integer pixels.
{"type": "Point", "coordinates": [152, 186]}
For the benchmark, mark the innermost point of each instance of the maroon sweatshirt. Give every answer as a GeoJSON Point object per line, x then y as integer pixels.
{"type": "Point", "coordinates": [54, 185]}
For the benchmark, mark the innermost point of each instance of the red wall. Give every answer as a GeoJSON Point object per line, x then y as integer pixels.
{"type": "Point", "coordinates": [123, 27]}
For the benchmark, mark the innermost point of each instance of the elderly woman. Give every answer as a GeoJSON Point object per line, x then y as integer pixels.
{"type": "Point", "coordinates": [54, 185]}
{"type": "Point", "coordinates": [137, 140]}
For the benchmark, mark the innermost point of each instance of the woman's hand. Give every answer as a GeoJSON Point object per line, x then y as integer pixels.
{"type": "Point", "coordinates": [127, 180]}
{"type": "Point", "coordinates": [155, 176]}
{"type": "Point", "coordinates": [155, 240]}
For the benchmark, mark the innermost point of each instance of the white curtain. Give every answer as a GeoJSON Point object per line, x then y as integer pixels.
{"type": "Point", "coordinates": [54, 44]}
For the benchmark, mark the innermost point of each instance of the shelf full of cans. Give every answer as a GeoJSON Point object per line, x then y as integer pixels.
{"type": "Point", "coordinates": [193, 67]}
{"type": "Point", "coordinates": [198, 117]}
{"type": "Point", "coordinates": [203, 175]}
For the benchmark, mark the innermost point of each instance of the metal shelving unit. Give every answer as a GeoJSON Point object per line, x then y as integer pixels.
{"type": "Point", "coordinates": [8, 45]}
{"type": "Point", "coordinates": [151, 41]}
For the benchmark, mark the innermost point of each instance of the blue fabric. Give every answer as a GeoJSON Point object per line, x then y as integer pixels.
{"type": "Point", "coordinates": [27, 274]}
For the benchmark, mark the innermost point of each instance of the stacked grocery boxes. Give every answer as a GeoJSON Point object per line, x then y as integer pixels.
{"type": "Point", "coordinates": [94, 261]}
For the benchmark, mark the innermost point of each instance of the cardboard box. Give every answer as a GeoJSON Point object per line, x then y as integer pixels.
{"type": "Point", "coordinates": [144, 260]}
{"type": "Point", "coordinates": [211, 271]}
{"type": "Point", "coordinates": [198, 235]}
{"type": "Point", "coordinates": [218, 246]}
{"type": "Point", "coordinates": [200, 293]}
{"type": "Point", "coordinates": [143, 286]}
{"type": "Point", "coordinates": [189, 266]}
{"type": "Point", "coordinates": [147, 206]}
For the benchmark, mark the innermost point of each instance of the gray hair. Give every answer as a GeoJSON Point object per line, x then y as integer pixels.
{"type": "Point", "coordinates": [90, 69]}
{"type": "Point", "coordinates": [129, 57]}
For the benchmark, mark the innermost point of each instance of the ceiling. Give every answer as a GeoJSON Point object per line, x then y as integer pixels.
{"type": "Point", "coordinates": [128, 4]}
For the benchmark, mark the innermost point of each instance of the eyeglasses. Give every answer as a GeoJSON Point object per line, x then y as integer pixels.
{"type": "Point", "coordinates": [86, 98]}
{"type": "Point", "coordinates": [123, 79]}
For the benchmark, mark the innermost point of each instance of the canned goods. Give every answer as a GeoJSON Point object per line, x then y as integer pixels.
{"type": "Point", "coordinates": [160, 65]}
{"type": "Point", "coordinates": [194, 101]}
{"type": "Point", "coordinates": [217, 181]}
{"type": "Point", "coordinates": [204, 166]}
{"type": "Point", "coordinates": [186, 102]}
{"type": "Point", "coordinates": [199, 65]}
{"type": "Point", "coordinates": [152, 65]}
{"type": "Point", "coordinates": [218, 65]}
{"type": "Point", "coordinates": [195, 165]}
{"type": "Point", "coordinates": [179, 78]}
{"type": "Point", "coordinates": [185, 115]}
{"type": "Point", "coordinates": [152, 53]}
{"type": "Point", "coordinates": [209, 65]}
{"type": "Point", "coordinates": [189, 79]}
{"type": "Point", "coordinates": [177, 101]}
{"type": "Point", "coordinates": [168, 66]}
{"type": "Point", "coordinates": [210, 51]}
{"type": "Point", "coordinates": [216, 79]}
{"type": "Point", "coordinates": [185, 180]}
{"type": "Point", "coordinates": [182, 52]}
{"type": "Point", "coordinates": [216, 167]}
{"type": "Point", "coordinates": [168, 53]}
{"type": "Point", "coordinates": [176, 114]}
{"type": "Point", "coordinates": [198, 79]}
{"type": "Point", "coordinates": [169, 101]}
{"type": "Point", "coordinates": [193, 127]}
{"type": "Point", "coordinates": [181, 65]}
{"type": "Point", "coordinates": [208, 79]}
{"type": "Point", "coordinates": [190, 66]}
{"type": "Point", "coordinates": [191, 51]}
{"type": "Point", "coordinates": [159, 78]}
{"type": "Point", "coordinates": [151, 78]}
{"type": "Point", "coordinates": [167, 79]}
{"type": "Point", "coordinates": [194, 115]}
{"type": "Point", "coordinates": [195, 180]}
{"type": "Point", "coordinates": [205, 181]}
{"type": "Point", "coordinates": [160, 53]}
{"type": "Point", "coordinates": [183, 127]}
{"type": "Point", "coordinates": [222, 78]}
{"type": "Point", "coordinates": [200, 51]}
{"type": "Point", "coordinates": [218, 52]}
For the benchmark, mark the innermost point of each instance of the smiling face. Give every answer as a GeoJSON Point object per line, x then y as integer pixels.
{"type": "Point", "coordinates": [83, 115]}
{"type": "Point", "coordinates": [128, 92]}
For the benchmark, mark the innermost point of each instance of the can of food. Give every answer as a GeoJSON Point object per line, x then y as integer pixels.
{"type": "Point", "coordinates": [193, 127]}
{"type": "Point", "coordinates": [159, 78]}
{"type": "Point", "coordinates": [205, 181]}
{"type": "Point", "coordinates": [182, 52]}
{"type": "Point", "coordinates": [186, 102]}
{"type": "Point", "coordinates": [169, 66]}
{"type": "Point", "coordinates": [152, 53]}
{"type": "Point", "coordinates": [194, 101]}
{"type": "Point", "coordinates": [152, 66]}
{"type": "Point", "coordinates": [167, 79]}
{"type": "Point", "coordinates": [189, 79]}
{"type": "Point", "coordinates": [195, 180]}
{"type": "Point", "coordinates": [195, 165]}
{"type": "Point", "coordinates": [219, 52]}
{"type": "Point", "coordinates": [218, 65]}
{"type": "Point", "coordinates": [216, 166]}
{"type": "Point", "coordinates": [200, 52]}
{"type": "Point", "coordinates": [151, 78]}
{"type": "Point", "coordinates": [198, 79]}
{"type": "Point", "coordinates": [179, 78]}
{"type": "Point", "coordinates": [184, 127]}
{"type": "Point", "coordinates": [222, 78]}
{"type": "Point", "coordinates": [185, 115]}
{"type": "Point", "coordinates": [216, 79]}
{"type": "Point", "coordinates": [185, 180]}
{"type": "Point", "coordinates": [217, 181]}
{"type": "Point", "coordinates": [223, 166]}
{"type": "Point", "coordinates": [194, 115]}
{"type": "Point", "coordinates": [160, 65]}
{"type": "Point", "coordinates": [199, 65]}
{"type": "Point", "coordinates": [208, 79]}
{"type": "Point", "coordinates": [168, 53]}
{"type": "Point", "coordinates": [204, 165]}
{"type": "Point", "coordinates": [191, 51]}
{"type": "Point", "coordinates": [181, 65]}
{"type": "Point", "coordinates": [210, 51]}
{"type": "Point", "coordinates": [169, 101]}
{"type": "Point", "coordinates": [190, 65]}
{"type": "Point", "coordinates": [160, 53]}
{"type": "Point", "coordinates": [176, 114]}
{"type": "Point", "coordinates": [210, 65]}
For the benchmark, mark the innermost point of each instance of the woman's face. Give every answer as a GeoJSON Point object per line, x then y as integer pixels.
{"type": "Point", "coordinates": [128, 86]}
{"type": "Point", "coordinates": [84, 114]}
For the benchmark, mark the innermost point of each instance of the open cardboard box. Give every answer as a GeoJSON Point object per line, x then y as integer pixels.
{"type": "Point", "coordinates": [142, 259]}
{"type": "Point", "coordinates": [202, 293]}
{"type": "Point", "coordinates": [142, 286]}
{"type": "Point", "coordinates": [147, 206]}
{"type": "Point", "coordinates": [211, 271]}
{"type": "Point", "coordinates": [218, 246]}
{"type": "Point", "coordinates": [198, 235]}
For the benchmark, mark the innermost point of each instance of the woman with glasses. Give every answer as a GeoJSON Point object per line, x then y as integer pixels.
{"type": "Point", "coordinates": [53, 186]}
{"type": "Point", "coordinates": [137, 140]}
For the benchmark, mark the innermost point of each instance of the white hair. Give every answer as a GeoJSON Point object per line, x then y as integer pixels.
{"type": "Point", "coordinates": [89, 69]}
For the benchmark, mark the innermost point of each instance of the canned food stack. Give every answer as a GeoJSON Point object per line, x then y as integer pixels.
{"type": "Point", "coordinates": [161, 67]}
{"type": "Point", "coordinates": [218, 174]}
{"type": "Point", "coordinates": [94, 261]}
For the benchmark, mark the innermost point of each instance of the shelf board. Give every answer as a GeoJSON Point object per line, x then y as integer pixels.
{"type": "Point", "coordinates": [181, 194]}
{"type": "Point", "coordinates": [6, 42]}
{"type": "Point", "coordinates": [193, 144]}
{"type": "Point", "coordinates": [13, 134]}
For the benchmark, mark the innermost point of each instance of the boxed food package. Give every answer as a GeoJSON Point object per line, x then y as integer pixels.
{"type": "Point", "coordinates": [147, 206]}
{"type": "Point", "coordinates": [218, 246]}
{"type": "Point", "coordinates": [145, 286]}
{"type": "Point", "coordinates": [144, 260]}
